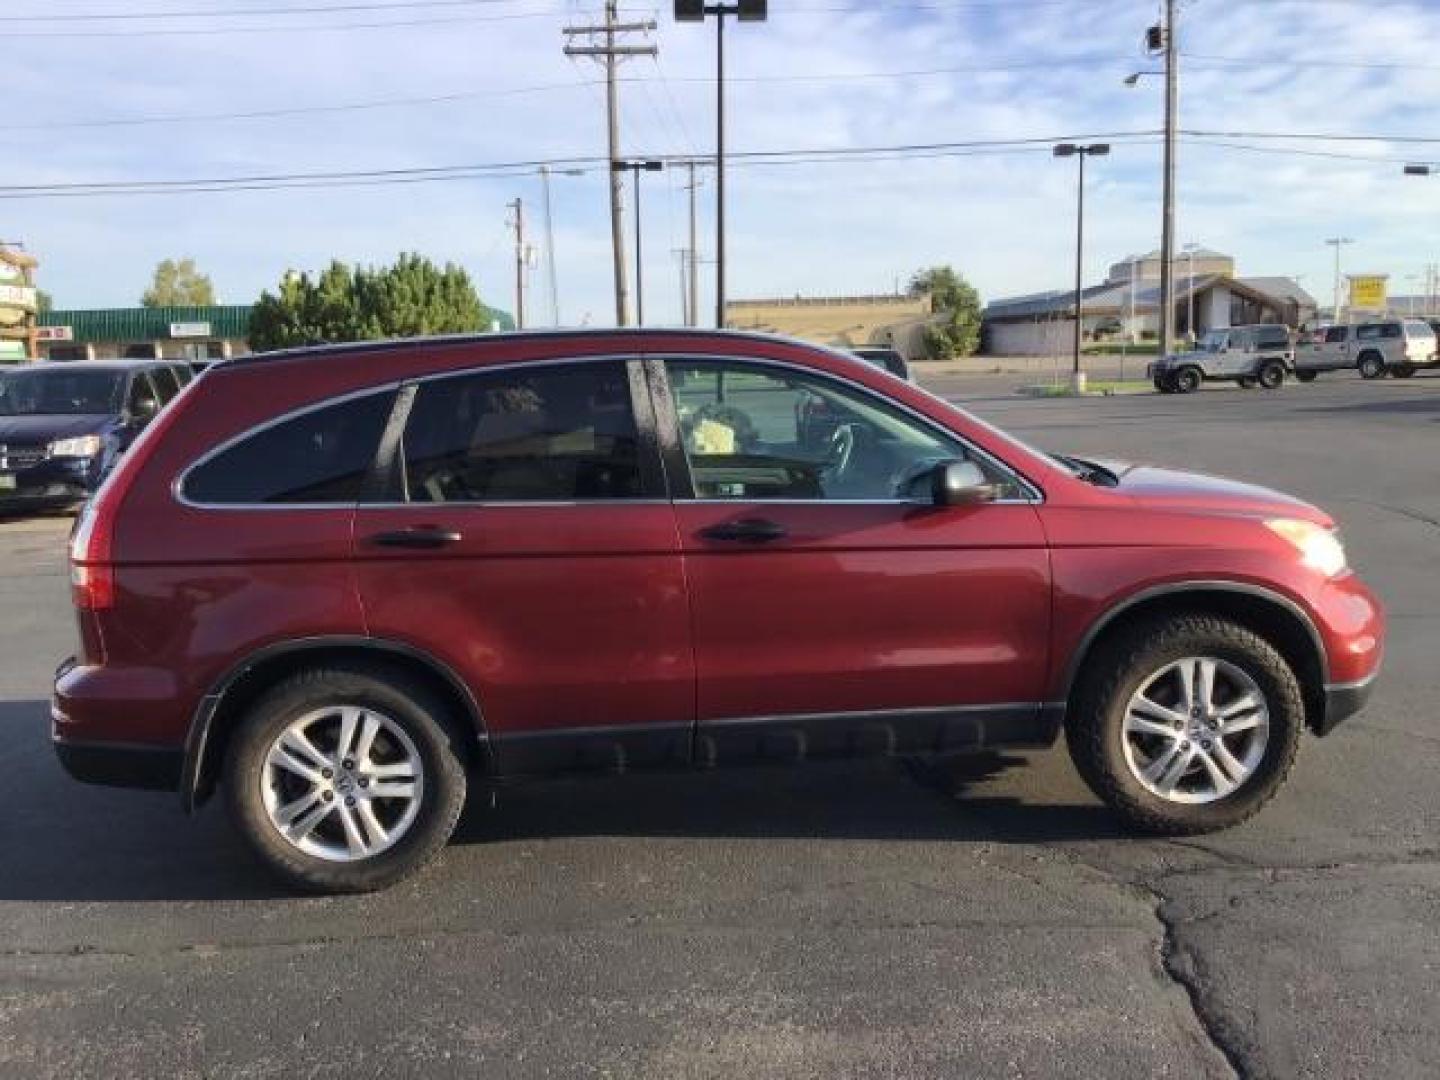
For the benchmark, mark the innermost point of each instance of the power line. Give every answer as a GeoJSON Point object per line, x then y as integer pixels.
{"type": "Point", "coordinates": [218, 31]}
{"type": "Point", "coordinates": [212, 13]}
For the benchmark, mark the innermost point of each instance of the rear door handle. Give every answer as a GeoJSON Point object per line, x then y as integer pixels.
{"type": "Point", "coordinates": [421, 536]}
{"type": "Point", "coordinates": [745, 531]}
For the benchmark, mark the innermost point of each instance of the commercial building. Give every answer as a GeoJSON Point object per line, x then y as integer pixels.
{"type": "Point", "coordinates": [897, 320]}
{"type": "Point", "coordinates": [1126, 306]}
{"type": "Point", "coordinates": [19, 301]}
{"type": "Point", "coordinates": [161, 333]}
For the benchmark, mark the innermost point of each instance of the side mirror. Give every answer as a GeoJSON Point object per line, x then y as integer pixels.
{"type": "Point", "coordinates": [960, 483]}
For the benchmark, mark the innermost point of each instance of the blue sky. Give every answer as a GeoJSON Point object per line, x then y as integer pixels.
{"type": "Point", "coordinates": [819, 74]}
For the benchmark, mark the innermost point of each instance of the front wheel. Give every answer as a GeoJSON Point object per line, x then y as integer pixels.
{"type": "Point", "coordinates": [346, 779]}
{"type": "Point", "coordinates": [1185, 724]}
{"type": "Point", "coordinates": [1186, 380]}
{"type": "Point", "coordinates": [1372, 366]}
{"type": "Point", "coordinates": [1272, 375]}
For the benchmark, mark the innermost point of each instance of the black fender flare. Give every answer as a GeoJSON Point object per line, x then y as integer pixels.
{"type": "Point", "coordinates": [193, 777]}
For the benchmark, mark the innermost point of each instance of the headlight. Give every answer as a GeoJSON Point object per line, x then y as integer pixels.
{"type": "Point", "coordinates": [1320, 548]}
{"type": "Point", "coordinates": [83, 446]}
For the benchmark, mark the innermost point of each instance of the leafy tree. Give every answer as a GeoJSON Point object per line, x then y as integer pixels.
{"type": "Point", "coordinates": [413, 297]}
{"type": "Point", "coordinates": [957, 332]}
{"type": "Point", "coordinates": [178, 284]}
{"type": "Point", "coordinates": [44, 301]}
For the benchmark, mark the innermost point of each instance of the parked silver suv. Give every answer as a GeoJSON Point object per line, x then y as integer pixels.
{"type": "Point", "coordinates": [1397, 346]}
{"type": "Point", "coordinates": [1250, 355]}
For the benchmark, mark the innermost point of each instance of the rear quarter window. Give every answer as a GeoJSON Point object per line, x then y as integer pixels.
{"type": "Point", "coordinates": [320, 456]}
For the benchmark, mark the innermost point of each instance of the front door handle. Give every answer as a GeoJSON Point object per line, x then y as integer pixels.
{"type": "Point", "coordinates": [745, 531]}
{"type": "Point", "coordinates": [421, 536]}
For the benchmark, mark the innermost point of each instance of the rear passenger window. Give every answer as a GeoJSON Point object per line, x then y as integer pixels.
{"type": "Point", "coordinates": [543, 434]}
{"type": "Point", "coordinates": [321, 456]}
{"type": "Point", "coordinates": [1335, 335]}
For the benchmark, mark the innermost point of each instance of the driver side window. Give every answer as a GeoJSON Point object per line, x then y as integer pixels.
{"type": "Point", "coordinates": [753, 432]}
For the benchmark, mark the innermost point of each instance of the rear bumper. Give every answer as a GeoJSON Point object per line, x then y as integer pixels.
{"type": "Point", "coordinates": [153, 768]}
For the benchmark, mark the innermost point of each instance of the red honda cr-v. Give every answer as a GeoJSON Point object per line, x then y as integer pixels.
{"type": "Point", "coordinates": [337, 582]}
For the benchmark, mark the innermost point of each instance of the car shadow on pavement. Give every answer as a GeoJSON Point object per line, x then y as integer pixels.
{"type": "Point", "coordinates": [1422, 406]}
{"type": "Point", "coordinates": [63, 841]}
{"type": "Point", "coordinates": [876, 799]}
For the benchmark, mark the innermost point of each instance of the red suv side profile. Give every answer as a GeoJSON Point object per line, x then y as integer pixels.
{"type": "Point", "coordinates": [337, 583]}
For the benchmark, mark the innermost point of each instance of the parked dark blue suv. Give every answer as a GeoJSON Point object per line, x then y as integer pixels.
{"type": "Point", "coordinates": [63, 424]}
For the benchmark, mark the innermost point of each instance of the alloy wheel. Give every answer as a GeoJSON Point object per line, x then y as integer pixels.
{"type": "Point", "coordinates": [1196, 730]}
{"type": "Point", "coordinates": [342, 783]}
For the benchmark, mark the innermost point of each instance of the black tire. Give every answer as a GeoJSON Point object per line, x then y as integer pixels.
{"type": "Point", "coordinates": [1306, 376]}
{"type": "Point", "coordinates": [1271, 375]}
{"type": "Point", "coordinates": [1246, 382]}
{"type": "Point", "coordinates": [1120, 665]}
{"type": "Point", "coordinates": [1187, 380]}
{"type": "Point", "coordinates": [1371, 365]}
{"type": "Point", "coordinates": [1163, 385]}
{"type": "Point", "coordinates": [1403, 371]}
{"type": "Point", "coordinates": [413, 708]}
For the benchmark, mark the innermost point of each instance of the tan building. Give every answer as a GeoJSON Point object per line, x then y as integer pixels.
{"type": "Point", "coordinates": [19, 301]}
{"type": "Point", "coordinates": [843, 321]}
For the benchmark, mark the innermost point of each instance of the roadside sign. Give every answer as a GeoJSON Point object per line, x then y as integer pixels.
{"type": "Point", "coordinates": [54, 333]}
{"type": "Point", "coordinates": [189, 329]}
{"type": "Point", "coordinates": [1367, 292]}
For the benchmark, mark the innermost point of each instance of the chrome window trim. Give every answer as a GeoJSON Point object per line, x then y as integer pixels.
{"type": "Point", "coordinates": [1037, 494]}
{"type": "Point", "coordinates": [177, 486]}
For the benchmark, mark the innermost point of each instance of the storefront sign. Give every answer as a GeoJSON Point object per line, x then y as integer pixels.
{"type": "Point", "coordinates": [17, 296]}
{"type": "Point", "coordinates": [189, 329]}
{"type": "Point", "coordinates": [1367, 292]}
{"type": "Point", "coordinates": [55, 333]}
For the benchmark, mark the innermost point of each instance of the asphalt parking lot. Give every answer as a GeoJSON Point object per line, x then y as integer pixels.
{"type": "Point", "coordinates": [981, 918]}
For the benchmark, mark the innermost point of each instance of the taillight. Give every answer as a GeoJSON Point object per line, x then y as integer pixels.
{"type": "Point", "coordinates": [92, 588]}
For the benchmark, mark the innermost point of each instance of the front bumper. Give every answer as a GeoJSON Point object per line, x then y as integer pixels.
{"type": "Point", "coordinates": [1342, 701]}
{"type": "Point", "coordinates": [52, 484]}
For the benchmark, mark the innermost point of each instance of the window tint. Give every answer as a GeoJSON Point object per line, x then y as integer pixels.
{"type": "Point", "coordinates": [1335, 335]}
{"type": "Point", "coordinates": [543, 434]}
{"type": "Point", "coordinates": [1375, 331]}
{"type": "Point", "coordinates": [322, 456]}
{"type": "Point", "coordinates": [752, 432]}
{"type": "Point", "coordinates": [1270, 337]}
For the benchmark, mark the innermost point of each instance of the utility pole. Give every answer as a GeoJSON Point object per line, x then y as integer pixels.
{"type": "Point", "coordinates": [608, 45]}
{"type": "Point", "coordinates": [692, 306]}
{"type": "Point", "coordinates": [518, 224]}
{"type": "Point", "coordinates": [1337, 242]}
{"type": "Point", "coordinates": [550, 273]}
{"type": "Point", "coordinates": [1167, 222]}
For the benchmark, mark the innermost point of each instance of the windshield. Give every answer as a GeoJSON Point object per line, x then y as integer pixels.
{"type": "Point", "coordinates": [1213, 341]}
{"type": "Point", "coordinates": [37, 393]}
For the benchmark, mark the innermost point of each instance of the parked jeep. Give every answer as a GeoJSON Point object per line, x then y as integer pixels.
{"type": "Point", "coordinates": [1249, 355]}
{"type": "Point", "coordinates": [1396, 346]}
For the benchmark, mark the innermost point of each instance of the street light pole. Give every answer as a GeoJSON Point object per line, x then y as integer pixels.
{"type": "Point", "coordinates": [1077, 380]}
{"type": "Point", "coordinates": [1337, 242]}
{"type": "Point", "coordinates": [695, 11]}
{"type": "Point", "coordinates": [635, 168]}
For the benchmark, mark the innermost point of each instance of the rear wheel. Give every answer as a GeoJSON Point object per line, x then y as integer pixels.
{"type": "Point", "coordinates": [1371, 365]}
{"type": "Point", "coordinates": [1306, 376]}
{"type": "Point", "coordinates": [346, 779]}
{"type": "Point", "coordinates": [1272, 375]}
{"type": "Point", "coordinates": [1186, 380]}
{"type": "Point", "coordinates": [1185, 724]}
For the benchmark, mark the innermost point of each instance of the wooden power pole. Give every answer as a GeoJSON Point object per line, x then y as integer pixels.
{"type": "Point", "coordinates": [607, 43]}
{"type": "Point", "coordinates": [518, 224]}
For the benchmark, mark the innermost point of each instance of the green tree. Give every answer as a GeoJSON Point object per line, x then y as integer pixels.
{"type": "Point", "coordinates": [957, 331]}
{"type": "Point", "coordinates": [44, 301]}
{"type": "Point", "coordinates": [414, 297]}
{"type": "Point", "coordinates": [178, 284]}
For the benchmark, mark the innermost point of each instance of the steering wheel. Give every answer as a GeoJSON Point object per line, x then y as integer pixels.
{"type": "Point", "coordinates": [842, 447]}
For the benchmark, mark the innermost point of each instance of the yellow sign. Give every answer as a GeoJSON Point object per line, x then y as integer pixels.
{"type": "Point", "coordinates": [1367, 292]}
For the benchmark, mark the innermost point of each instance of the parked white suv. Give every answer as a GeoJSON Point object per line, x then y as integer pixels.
{"type": "Point", "coordinates": [1397, 346]}
{"type": "Point", "coordinates": [1250, 355]}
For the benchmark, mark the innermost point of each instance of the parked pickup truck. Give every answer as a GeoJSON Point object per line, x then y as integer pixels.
{"type": "Point", "coordinates": [1250, 355]}
{"type": "Point", "coordinates": [1394, 346]}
